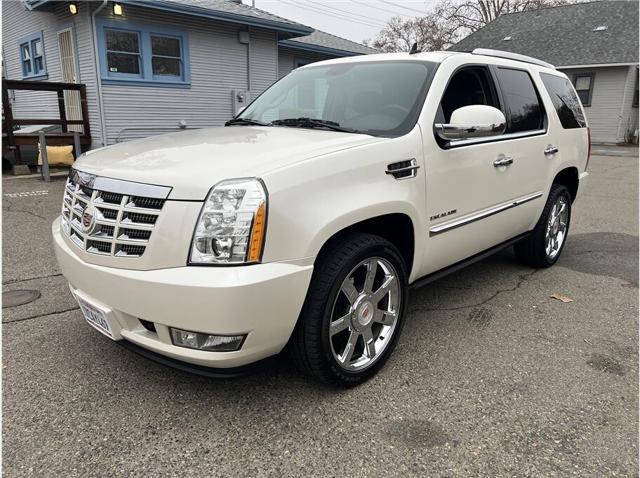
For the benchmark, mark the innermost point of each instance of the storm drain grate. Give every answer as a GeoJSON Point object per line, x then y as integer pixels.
{"type": "Point", "coordinates": [14, 298]}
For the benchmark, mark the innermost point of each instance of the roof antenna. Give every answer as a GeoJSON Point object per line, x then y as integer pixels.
{"type": "Point", "coordinates": [414, 49]}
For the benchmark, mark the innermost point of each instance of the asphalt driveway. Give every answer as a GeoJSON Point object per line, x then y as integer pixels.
{"type": "Point", "coordinates": [491, 377]}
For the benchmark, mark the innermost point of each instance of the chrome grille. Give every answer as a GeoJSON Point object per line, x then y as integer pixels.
{"type": "Point", "coordinates": [119, 223]}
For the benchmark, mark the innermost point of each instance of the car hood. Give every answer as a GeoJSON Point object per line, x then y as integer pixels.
{"type": "Point", "coordinates": [192, 161]}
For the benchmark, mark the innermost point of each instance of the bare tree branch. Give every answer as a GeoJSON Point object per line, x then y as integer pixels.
{"type": "Point", "coordinates": [449, 21]}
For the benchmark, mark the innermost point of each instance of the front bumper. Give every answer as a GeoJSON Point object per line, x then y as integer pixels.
{"type": "Point", "coordinates": [262, 301]}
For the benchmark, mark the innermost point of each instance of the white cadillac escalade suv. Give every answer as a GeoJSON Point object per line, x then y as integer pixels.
{"type": "Point", "coordinates": [304, 221]}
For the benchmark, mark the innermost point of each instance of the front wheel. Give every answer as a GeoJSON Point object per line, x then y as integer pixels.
{"type": "Point", "coordinates": [543, 247]}
{"type": "Point", "coordinates": [354, 311]}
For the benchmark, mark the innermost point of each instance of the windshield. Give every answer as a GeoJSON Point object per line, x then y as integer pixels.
{"type": "Point", "coordinates": [377, 98]}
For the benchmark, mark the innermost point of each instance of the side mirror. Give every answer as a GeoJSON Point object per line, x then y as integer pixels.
{"type": "Point", "coordinates": [473, 121]}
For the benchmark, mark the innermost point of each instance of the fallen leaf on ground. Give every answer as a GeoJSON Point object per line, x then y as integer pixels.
{"type": "Point", "coordinates": [562, 298]}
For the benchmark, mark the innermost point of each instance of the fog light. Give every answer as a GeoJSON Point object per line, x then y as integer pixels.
{"type": "Point", "coordinates": [211, 343]}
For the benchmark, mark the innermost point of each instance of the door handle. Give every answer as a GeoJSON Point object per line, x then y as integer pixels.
{"type": "Point", "coordinates": [550, 149]}
{"type": "Point", "coordinates": [503, 161]}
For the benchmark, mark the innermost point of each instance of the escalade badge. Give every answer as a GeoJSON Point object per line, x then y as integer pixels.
{"type": "Point", "coordinates": [443, 214]}
{"type": "Point", "coordinates": [89, 219]}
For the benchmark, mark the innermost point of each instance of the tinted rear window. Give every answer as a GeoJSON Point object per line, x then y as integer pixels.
{"type": "Point", "coordinates": [564, 100]}
{"type": "Point", "coordinates": [521, 98]}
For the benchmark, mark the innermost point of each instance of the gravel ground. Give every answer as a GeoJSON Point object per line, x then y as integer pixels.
{"type": "Point", "coordinates": [491, 377]}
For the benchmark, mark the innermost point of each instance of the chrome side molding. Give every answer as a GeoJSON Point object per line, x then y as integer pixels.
{"type": "Point", "coordinates": [502, 137]}
{"type": "Point", "coordinates": [484, 213]}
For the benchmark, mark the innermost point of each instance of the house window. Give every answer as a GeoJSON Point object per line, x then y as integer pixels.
{"type": "Point", "coordinates": [123, 52]}
{"type": "Point", "coordinates": [635, 92]}
{"type": "Point", "coordinates": [583, 84]}
{"type": "Point", "coordinates": [143, 54]}
{"type": "Point", "coordinates": [32, 56]}
{"type": "Point", "coordinates": [166, 56]}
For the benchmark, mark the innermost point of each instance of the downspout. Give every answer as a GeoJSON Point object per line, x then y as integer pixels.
{"type": "Point", "coordinates": [96, 56]}
{"type": "Point", "coordinates": [249, 64]}
{"type": "Point", "coordinates": [621, 132]}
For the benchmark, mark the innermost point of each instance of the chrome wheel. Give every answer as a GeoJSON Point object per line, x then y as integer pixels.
{"type": "Point", "coordinates": [556, 231]}
{"type": "Point", "coordinates": [364, 314]}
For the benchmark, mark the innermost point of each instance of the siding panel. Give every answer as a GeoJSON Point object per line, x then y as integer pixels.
{"type": "Point", "coordinates": [264, 60]}
{"type": "Point", "coordinates": [218, 65]}
{"type": "Point", "coordinates": [16, 23]}
{"type": "Point", "coordinates": [287, 56]}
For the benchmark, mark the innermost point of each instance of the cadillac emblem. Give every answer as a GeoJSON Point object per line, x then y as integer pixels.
{"type": "Point", "coordinates": [89, 219]}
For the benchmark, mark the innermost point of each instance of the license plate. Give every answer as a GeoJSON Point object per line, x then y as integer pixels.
{"type": "Point", "coordinates": [95, 317]}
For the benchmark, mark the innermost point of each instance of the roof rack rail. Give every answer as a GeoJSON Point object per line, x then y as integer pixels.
{"type": "Point", "coordinates": [512, 56]}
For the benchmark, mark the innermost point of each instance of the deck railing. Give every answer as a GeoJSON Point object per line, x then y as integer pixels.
{"type": "Point", "coordinates": [13, 138]}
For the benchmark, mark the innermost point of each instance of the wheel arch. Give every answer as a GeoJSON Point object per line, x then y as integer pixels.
{"type": "Point", "coordinates": [569, 178]}
{"type": "Point", "coordinates": [396, 227]}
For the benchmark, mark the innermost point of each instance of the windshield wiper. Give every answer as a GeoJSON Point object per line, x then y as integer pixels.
{"type": "Point", "coordinates": [246, 121]}
{"type": "Point", "coordinates": [313, 123]}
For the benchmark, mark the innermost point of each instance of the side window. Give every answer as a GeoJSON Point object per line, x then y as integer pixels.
{"type": "Point", "coordinates": [564, 100]}
{"type": "Point", "coordinates": [469, 86]}
{"type": "Point", "coordinates": [521, 100]}
{"type": "Point", "coordinates": [123, 52]}
{"type": "Point", "coordinates": [584, 87]}
{"type": "Point", "coordinates": [137, 53]}
{"type": "Point", "coordinates": [166, 56]}
{"type": "Point", "coordinates": [32, 56]}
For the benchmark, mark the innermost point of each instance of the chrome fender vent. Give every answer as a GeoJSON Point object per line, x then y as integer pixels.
{"type": "Point", "coordinates": [403, 169]}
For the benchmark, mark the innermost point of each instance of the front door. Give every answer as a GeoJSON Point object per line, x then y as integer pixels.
{"type": "Point", "coordinates": [484, 191]}
{"type": "Point", "coordinates": [66, 50]}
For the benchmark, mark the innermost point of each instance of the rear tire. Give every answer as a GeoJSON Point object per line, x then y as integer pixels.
{"type": "Point", "coordinates": [544, 246]}
{"type": "Point", "coordinates": [353, 313]}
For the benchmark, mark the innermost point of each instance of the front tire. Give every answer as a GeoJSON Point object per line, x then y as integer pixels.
{"type": "Point", "coordinates": [543, 247]}
{"type": "Point", "coordinates": [354, 311]}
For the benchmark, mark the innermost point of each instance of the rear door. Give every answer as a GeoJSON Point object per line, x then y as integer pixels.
{"type": "Point", "coordinates": [569, 138]}
{"type": "Point", "coordinates": [473, 203]}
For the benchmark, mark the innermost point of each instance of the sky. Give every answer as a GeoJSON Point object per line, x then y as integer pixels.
{"type": "Point", "coordinates": [356, 20]}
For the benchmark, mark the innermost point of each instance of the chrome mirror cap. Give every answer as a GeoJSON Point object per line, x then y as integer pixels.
{"type": "Point", "coordinates": [474, 121]}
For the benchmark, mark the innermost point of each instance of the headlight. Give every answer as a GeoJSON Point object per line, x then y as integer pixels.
{"type": "Point", "coordinates": [232, 224]}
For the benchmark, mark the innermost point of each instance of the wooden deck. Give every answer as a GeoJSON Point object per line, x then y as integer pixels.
{"type": "Point", "coordinates": [13, 139]}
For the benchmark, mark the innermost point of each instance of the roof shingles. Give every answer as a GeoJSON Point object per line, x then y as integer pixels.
{"type": "Point", "coordinates": [237, 11]}
{"type": "Point", "coordinates": [327, 40]}
{"type": "Point", "coordinates": [564, 35]}
{"type": "Point", "coordinates": [229, 6]}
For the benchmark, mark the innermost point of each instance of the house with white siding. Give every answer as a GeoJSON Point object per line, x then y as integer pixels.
{"type": "Point", "coordinates": [594, 43]}
{"type": "Point", "coordinates": [154, 66]}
